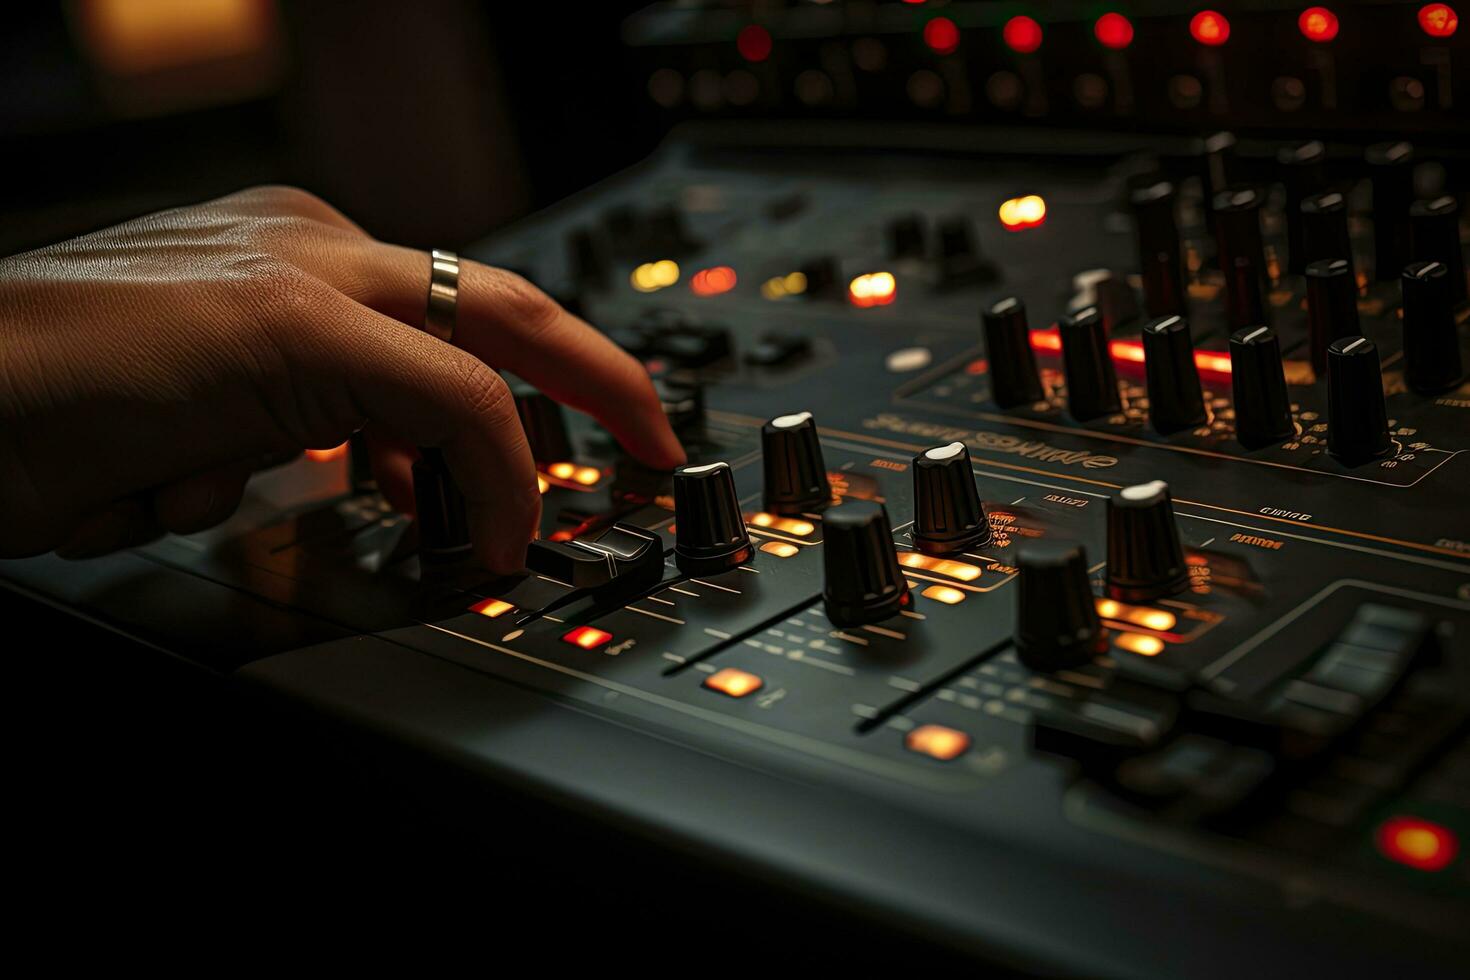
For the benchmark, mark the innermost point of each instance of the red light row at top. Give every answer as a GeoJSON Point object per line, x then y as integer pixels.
{"type": "Point", "coordinates": [1023, 34]}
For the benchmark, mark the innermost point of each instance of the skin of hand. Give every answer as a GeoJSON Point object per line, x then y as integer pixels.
{"type": "Point", "coordinates": [148, 369]}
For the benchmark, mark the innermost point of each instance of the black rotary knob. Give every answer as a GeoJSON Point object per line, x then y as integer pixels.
{"type": "Point", "coordinates": [1431, 340]}
{"type": "Point", "coordinates": [1357, 418]}
{"type": "Point", "coordinates": [862, 580]}
{"type": "Point", "coordinates": [709, 532]}
{"type": "Point", "coordinates": [1332, 306]}
{"type": "Point", "coordinates": [1145, 558]}
{"type": "Point", "coordinates": [544, 425]}
{"type": "Point", "coordinates": [1302, 174]}
{"type": "Point", "coordinates": [1391, 170]}
{"type": "Point", "coordinates": [1014, 379]}
{"type": "Point", "coordinates": [1160, 257]}
{"type": "Point", "coordinates": [1242, 255]}
{"type": "Point", "coordinates": [948, 514]}
{"type": "Point", "coordinates": [1175, 400]}
{"type": "Point", "coordinates": [440, 513]}
{"type": "Point", "coordinates": [1056, 614]}
{"type": "Point", "coordinates": [1436, 235]}
{"type": "Point", "coordinates": [1258, 385]}
{"type": "Point", "coordinates": [795, 475]}
{"type": "Point", "coordinates": [1325, 227]}
{"type": "Point", "coordinates": [1092, 381]}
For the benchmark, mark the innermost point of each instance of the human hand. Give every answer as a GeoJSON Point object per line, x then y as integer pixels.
{"type": "Point", "coordinates": [147, 369]}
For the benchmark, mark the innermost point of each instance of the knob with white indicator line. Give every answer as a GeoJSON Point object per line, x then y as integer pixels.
{"type": "Point", "coordinates": [948, 515]}
{"type": "Point", "coordinates": [1175, 399]}
{"type": "Point", "coordinates": [1332, 306]}
{"type": "Point", "coordinates": [1014, 379]}
{"type": "Point", "coordinates": [1258, 383]}
{"type": "Point", "coordinates": [709, 531]}
{"type": "Point", "coordinates": [1092, 381]}
{"type": "Point", "coordinates": [1145, 557]}
{"type": "Point", "coordinates": [1432, 360]}
{"type": "Point", "coordinates": [1357, 418]}
{"type": "Point", "coordinates": [795, 474]}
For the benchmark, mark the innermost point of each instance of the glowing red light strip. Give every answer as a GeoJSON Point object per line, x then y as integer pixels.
{"type": "Point", "coordinates": [1132, 351]}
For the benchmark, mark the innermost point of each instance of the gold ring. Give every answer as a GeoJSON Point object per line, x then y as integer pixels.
{"type": "Point", "coordinates": [443, 294]}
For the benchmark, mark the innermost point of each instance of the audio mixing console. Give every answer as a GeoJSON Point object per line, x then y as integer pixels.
{"type": "Point", "coordinates": [1072, 564]}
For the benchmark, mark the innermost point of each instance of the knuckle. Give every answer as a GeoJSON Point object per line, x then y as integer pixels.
{"type": "Point", "coordinates": [526, 302]}
{"type": "Point", "coordinates": [484, 394]}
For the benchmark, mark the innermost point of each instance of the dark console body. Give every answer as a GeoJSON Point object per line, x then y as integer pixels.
{"type": "Point", "coordinates": [1256, 752]}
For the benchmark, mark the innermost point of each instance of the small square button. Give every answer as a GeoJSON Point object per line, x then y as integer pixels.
{"type": "Point", "coordinates": [937, 742]}
{"type": "Point", "coordinates": [734, 682]}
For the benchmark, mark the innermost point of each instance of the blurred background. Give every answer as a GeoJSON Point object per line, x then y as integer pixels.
{"type": "Point", "coordinates": [428, 123]}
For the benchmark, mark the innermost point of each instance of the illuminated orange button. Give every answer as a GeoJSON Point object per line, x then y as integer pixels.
{"type": "Point", "coordinates": [944, 594]}
{"type": "Point", "coordinates": [1144, 646]}
{"type": "Point", "coordinates": [327, 455]}
{"type": "Point", "coordinates": [963, 571]}
{"type": "Point", "coordinates": [1416, 843]}
{"type": "Point", "coordinates": [587, 475]}
{"type": "Point", "coordinates": [937, 742]}
{"type": "Point", "coordinates": [494, 608]}
{"type": "Point", "coordinates": [562, 471]}
{"type": "Point", "coordinates": [734, 682]}
{"type": "Point", "coordinates": [586, 637]}
{"type": "Point", "coordinates": [781, 549]}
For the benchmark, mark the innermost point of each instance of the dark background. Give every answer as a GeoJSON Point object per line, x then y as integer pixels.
{"type": "Point", "coordinates": [428, 123]}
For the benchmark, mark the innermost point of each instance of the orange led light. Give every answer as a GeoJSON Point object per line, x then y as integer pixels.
{"type": "Point", "coordinates": [872, 289]}
{"type": "Point", "coordinates": [1416, 843]}
{"type": "Point", "coordinates": [1210, 27]}
{"type": "Point", "coordinates": [493, 608]}
{"type": "Point", "coordinates": [587, 475]}
{"type": "Point", "coordinates": [1144, 646]}
{"type": "Point", "coordinates": [586, 637]}
{"type": "Point", "coordinates": [712, 282]}
{"type": "Point", "coordinates": [1126, 350]}
{"type": "Point", "coordinates": [937, 742]}
{"type": "Point", "coordinates": [1438, 19]}
{"type": "Point", "coordinates": [1048, 340]}
{"type": "Point", "coordinates": [734, 682]}
{"type": "Point", "coordinates": [963, 571]}
{"type": "Point", "coordinates": [787, 525]}
{"type": "Point", "coordinates": [1317, 24]}
{"type": "Point", "coordinates": [944, 594]}
{"type": "Point", "coordinates": [1152, 619]}
{"type": "Point", "coordinates": [541, 485]}
{"type": "Point", "coordinates": [781, 549]}
{"type": "Point", "coordinates": [327, 455]}
{"type": "Point", "coordinates": [1020, 213]}
{"type": "Point", "coordinates": [562, 471]}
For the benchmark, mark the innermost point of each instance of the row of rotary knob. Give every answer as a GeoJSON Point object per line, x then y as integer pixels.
{"type": "Point", "coordinates": [863, 582]}
{"type": "Point", "coordinates": [1357, 415]}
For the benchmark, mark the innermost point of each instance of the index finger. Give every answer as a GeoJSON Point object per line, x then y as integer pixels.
{"type": "Point", "coordinates": [508, 323]}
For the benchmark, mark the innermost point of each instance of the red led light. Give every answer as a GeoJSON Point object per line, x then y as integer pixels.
{"type": "Point", "coordinates": [872, 289]}
{"type": "Point", "coordinates": [942, 35]}
{"type": "Point", "coordinates": [1318, 24]}
{"type": "Point", "coordinates": [754, 43]}
{"type": "Point", "coordinates": [1022, 34]}
{"type": "Point", "coordinates": [1113, 30]}
{"type": "Point", "coordinates": [1210, 27]}
{"type": "Point", "coordinates": [586, 637]}
{"type": "Point", "coordinates": [1438, 19]}
{"type": "Point", "coordinates": [1416, 843]}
